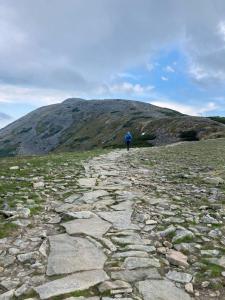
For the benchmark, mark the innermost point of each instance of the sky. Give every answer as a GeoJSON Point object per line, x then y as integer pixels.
{"type": "Point", "coordinates": [170, 53]}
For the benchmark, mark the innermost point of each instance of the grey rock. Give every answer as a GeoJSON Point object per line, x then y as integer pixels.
{"type": "Point", "coordinates": [54, 219]}
{"type": "Point", "coordinates": [214, 180]}
{"type": "Point", "coordinates": [130, 254]}
{"type": "Point", "coordinates": [72, 283]}
{"type": "Point", "coordinates": [44, 248]}
{"type": "Point", "coordinates": [125, 205]}
{"type": "Point", "coordinates": [38, 185]}
{"type": "Point", "coordinates": [66, 253]}
{"type": "Point", "coordinates": [95, 227]}
{"type": "Point", "coordinates": [87, 182]}
{"type": "Point", "coordinates": [189, 288]}
{"type": "Point", "coordinates": [27, 257]}
{"type": "Point", "coordinates": [182, 234]}
{"type": "Point", "coordinates": [22, 222]}
{"type": "Point", "coordinates": [161, 290]}
{"type": "Point", "coordinates": [129, 239]}
{"type": "Point", "coordinates": [119, 219]}
{"type": "Point", "coordinates": [10, 284]}
{"type": "Point", "coordinates": [113, 285]}
{"type": "Point", "coordinates": [108, 244]}
{"type": "Point", "coordinates": [215, 233]}
{"type": "Point", "coordinates": [22, 290]}
{"type": "Point", "coordinates": [23, 212]}
{"type": "Point", "coordinates": [174, 220]}
{"type": "Point", "coordinates": [80, 214]}
{"type": "Point", "coordinates": [14, 168]}
{"type": "Point", "coordinates": [209, 220]}
{"type": "Point", "coordinates": [185, 247]}
{"type": "Point", "coordinates": [136, 274]}
{"type": "Point", "coordinates": [7, 260]}
{"type": "Point", "coordinates": [93, 196]}
{"type": "Point", "coordinates": [131, 263]}
{"type": "Point", "coordinates": [179, 276]}
{"type": "Point", "coordinates": [167, 231]}
{"type": "Point", "coordinates": [213, 252]}
{"type": "Point", "coordinates": [72, 198]}
{"type": "Point", "coordinates": [8, 295]}
{"type": "Point", "coordinates": [149, 249]}
{"type": "Point", "coordinates": [217, 261]}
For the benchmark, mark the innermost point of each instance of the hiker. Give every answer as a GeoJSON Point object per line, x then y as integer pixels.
{"type": "Point", "coordinates": [128, 139]}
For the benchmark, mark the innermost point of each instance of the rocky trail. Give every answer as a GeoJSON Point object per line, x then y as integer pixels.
{"type": "Point", "coordinates": [137, 226]}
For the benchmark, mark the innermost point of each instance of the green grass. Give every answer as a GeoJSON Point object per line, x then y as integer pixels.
{"type": "Point", "coordinates": [187, 239]}
{"type": "Point", "coordinates": [16, 186]}
{"type": "Point", "coordinates": [215, 270]}
{"type": "Point", "coordinates": [7, 229]}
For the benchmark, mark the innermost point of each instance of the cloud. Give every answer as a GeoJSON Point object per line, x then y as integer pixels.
{"type": "Point", "coordinates": [221, 29]}
{"type": "Point", "coordinates": [187, 109]}
{"type": "Point", "coordinates": [150, 67]}
{"type": "Point", "coordinates": [128, 76]}
{"type": "Point", "coordinates": [169, 69]}
{"type": "Point", "coordinates": [58, 48]}
{"type": "Point", "coordinates": [130, 88]}
{"type": "Point", "coordinates": [164, 78]}
{"type": "Point", "coordinates": [5, 119]}
{"type": "Point", "coordinates": [69, 44]}
{"type": "Point", "coordinates": [31, 95]}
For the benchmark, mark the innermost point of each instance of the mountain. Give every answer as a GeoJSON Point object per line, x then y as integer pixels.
{"type": "Point", "coordinates": [78, 124]}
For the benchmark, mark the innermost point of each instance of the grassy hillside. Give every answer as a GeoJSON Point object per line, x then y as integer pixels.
{"type": "Point", "coordinates": [18, 175]}
{"type": "Point", "coordinates": [77, 124]}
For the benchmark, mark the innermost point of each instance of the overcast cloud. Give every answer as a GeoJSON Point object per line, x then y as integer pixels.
{"type": "Point", "coordinates": [77, 47]}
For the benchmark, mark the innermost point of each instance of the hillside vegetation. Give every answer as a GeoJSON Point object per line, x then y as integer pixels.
{"type": "Point", "coordinates": [77, 124]}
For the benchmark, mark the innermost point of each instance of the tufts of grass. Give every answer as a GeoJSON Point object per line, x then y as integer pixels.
{"type": "Point", "coordinates": [7, 229]}
{"type": "Point", "coordinates": [187, 239]}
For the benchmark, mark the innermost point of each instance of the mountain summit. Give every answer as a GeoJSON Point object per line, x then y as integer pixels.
{"type": "Point", "coordinates": [78, 124]}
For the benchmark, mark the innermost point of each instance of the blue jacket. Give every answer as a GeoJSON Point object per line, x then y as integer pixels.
{"type": "Point", "coordinates": [128, 137]}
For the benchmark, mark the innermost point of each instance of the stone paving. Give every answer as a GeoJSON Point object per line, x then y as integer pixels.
{"type": "Point", "coordinates": [102, 244]}
{"type": "Point", "coordinates": [102, 249]}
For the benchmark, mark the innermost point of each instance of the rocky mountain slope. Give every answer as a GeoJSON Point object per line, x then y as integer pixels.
{"type": "Point", "coordinates": [77, 124]}
{"type": "Point", "coordinates": [148, 224]}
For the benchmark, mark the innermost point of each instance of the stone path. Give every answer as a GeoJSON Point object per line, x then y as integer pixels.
{"type": "Point", "coordinates": [102, 251]}
{"type": "Point", "coordinates": [115, 238]}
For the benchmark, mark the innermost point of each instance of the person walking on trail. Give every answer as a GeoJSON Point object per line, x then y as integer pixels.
{"type": "Point", "coordinates": [128, 139]}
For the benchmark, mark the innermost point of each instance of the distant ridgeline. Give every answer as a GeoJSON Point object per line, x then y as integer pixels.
{"type": "Point", "coordinates": [218, 119]}
{"type": "Point", "coordinates": [78, 124]}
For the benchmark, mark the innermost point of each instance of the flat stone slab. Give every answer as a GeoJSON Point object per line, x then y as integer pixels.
{"type": "Point", "coordinates": [72, 283]}
{"type": "Point", "coordinates": [145, 248]}
{"type": "Point", "coordinates": [71, 254]}
{"type": "Point", "coordinates": [161, 290]}
{"type": "Point", "coordinates": [179, 276]}
{"type": "Point", "coordinates": [91, 197]}
{"type": "Point", "coordinates": [131, 263]}
{"type": "Point", "coordinates": [7, 295]}
{"type": "Point", "coordinates": [124, 205]}
{"type": "Point", "coordinates": [119, 219]}
{"type": "Point", "coordinates": [136, 274]}
{"type": "Point", "coordinates": [133, 239]}
{"type": "Point", "coordinates": [130, 254]}
{"type": "Point", "coordinates": [94, 227]}
{"type": "Point", "coordinates": [64, 207]}
{"type": "Point", "coordinates": [87, 182]}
